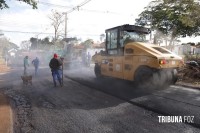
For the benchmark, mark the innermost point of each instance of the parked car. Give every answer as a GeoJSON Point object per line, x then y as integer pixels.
{"type": "Point", "coordinates": [192, 63]}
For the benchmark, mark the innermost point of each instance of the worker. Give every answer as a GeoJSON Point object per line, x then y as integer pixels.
{"type": "Point", "coordinates": [36, 62]}
{"type": "Point", "coordinates": [88, 59]}
{"type": "Point", "coordinates": [26, 64]}
{"type": "Point", "coordinates": [55, 65]}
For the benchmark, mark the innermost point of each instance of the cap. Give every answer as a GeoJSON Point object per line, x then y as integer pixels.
{"type": "Point", "coordinates": [55, 55]}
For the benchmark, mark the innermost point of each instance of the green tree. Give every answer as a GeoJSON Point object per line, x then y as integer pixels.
{"type": "Point", "coordinates": [34, 43]}
{"type": "Point", "coordinates": [88, 43]}
{"type": "Point", "coordinates": [174, 18]}
{"type": "Point", "coordinates": [45, 40]}
{"type": "Point", "coordinates": [4, 5]}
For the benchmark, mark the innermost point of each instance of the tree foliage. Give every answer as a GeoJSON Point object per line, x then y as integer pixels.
{"type": "Point", "coordinates": [45, 41]}
{"type": "Point", "coordinates": [34, 43]}
{"type": "Point", "coordinates": [25, 45]}
{"type": "Point", "coordinates": [41, 44]}
{"type": "Point", "coordinates": [4, 5]}
{"type": "Point", "coordinates": [88, 43]}
{"type": "Point", "coordinates": [174, 18]}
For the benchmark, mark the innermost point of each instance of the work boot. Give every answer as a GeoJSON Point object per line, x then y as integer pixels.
{"type": "Point", "coordinates": [61, 85]}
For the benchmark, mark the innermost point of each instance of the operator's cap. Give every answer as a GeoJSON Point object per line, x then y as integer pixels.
{"type": "Point", "coordinates": [55, 55]}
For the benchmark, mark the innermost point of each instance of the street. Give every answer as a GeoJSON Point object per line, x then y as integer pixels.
{"type": "Point", "coordinates": [85, 104]}
{"type": "Point", "coordinates": [91, 66]}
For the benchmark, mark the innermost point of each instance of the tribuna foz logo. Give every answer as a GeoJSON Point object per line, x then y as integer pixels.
{"type": "Point", "coordinates": [176, 119]}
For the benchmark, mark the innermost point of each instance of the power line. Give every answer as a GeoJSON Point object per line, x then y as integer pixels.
{"type": "Point", "coordinates": [105, 12]}
{"type": "Point", "coordinates": [26, 32]}
{"type": "Point", "coordinates": [78, 8]}
{"type": "Point", "coordinates": [42, 32]}
{"type": "Point", "coordinates": [75, 7]}
{"type": "Point", "coordinates": [71, 10]}
{"type": "Point", "coordinates": [85, 2]}
{"type": "Point", "coordinates": [72, 7]}
{"type": "Point", "coordinates": [50, 4]}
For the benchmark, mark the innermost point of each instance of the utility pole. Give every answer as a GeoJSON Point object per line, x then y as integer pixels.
{"type": "Point", "coordinates": [71, 10]}
{"type": "Point", "coordinates": [65, 25]}
{"type": "Point", "coordinates": [66, 13]}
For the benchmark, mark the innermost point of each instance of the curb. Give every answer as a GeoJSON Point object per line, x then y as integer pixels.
{"type": "Point", "coordinates": [188, 86]}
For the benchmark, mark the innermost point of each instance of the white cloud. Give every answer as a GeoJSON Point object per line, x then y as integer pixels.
{"type": "Point", "coordinates": [102, 14]}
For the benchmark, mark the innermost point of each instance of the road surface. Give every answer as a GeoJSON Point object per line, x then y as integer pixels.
{"type": "Point", "coordinates": [88, 105]}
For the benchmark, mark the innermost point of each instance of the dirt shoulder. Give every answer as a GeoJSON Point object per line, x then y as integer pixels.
{"type": "Point", "coordinates": [5, 115]}
{"type": "Point", "coordinates": [190, 84]}
{"type": "Point", "coordinates": [189, 76]}
{"type": "Point", "coordinates": [6, 125]}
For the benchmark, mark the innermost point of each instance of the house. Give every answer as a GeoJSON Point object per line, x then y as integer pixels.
{"type": "Point", "coordinates": [197, 49]}
{"type": "Point", "coordinates": [12, 52]}
{"type": "Point", "coordinates": [186, 49]}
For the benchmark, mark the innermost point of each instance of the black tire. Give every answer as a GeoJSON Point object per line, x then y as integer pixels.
{"type": "Point", "coordinates": [149, 78]}
{"type": "Point", "coordinates": [97, 71]}
{"type": "Point", "coordinates": [174, 76]}
{"type": "Point", "coordinates": [174, 80]}
{"type": "Point", "coordinates": [169, 77]}
{"type": "Point", "coordinates": [143, 76]}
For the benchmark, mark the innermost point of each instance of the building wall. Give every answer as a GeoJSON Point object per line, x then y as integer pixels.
{"type": "Point", "coordinates": [197, 50]}
{"type": "Point", "coordinates": [93, 50]}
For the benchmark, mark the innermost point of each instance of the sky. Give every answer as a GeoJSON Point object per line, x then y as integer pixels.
{"type": "Point", "coordinates": [20, 22]}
